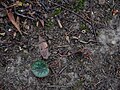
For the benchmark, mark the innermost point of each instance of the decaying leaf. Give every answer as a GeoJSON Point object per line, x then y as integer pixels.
{"type": "Point", "coordinates": [12, 19]}
{"type": "Point", "coordinates": [43, 46]}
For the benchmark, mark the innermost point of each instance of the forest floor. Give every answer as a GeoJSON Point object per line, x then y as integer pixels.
{"type": "Point", "coordinates": [83, 38]}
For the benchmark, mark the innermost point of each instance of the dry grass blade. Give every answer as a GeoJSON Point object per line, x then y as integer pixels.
{"type": "Point", "coordinates": [12, 19]}
{"type": "Point", "coordinates": [59, 23]}
{"type": "Point", "coordinates": [43, 46]}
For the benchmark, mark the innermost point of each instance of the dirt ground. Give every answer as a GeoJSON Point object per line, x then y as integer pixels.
{"type": "Point", "coordinates": [84, 45]}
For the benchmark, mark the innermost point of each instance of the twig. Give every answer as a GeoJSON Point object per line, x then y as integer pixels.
{"type": "Point", "coordinates": [84, 42]}
{"type": "Point", "coordinates": [23, 15]}
{"type": "Point", "coordinates": [62, 70]}
{"type": "Point", "coordinates": [59, 22]}
{"type": "Point", "coordinates": [63, 46]}
{"type": "Point", "coordinates": [43, 4]}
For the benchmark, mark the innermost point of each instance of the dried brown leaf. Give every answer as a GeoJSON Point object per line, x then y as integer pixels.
{"type": "Point", "coordinates": [43, 46]}
{"type": "Point", "coordinates": [12, 19]}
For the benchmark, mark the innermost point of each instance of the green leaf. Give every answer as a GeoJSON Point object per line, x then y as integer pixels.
{"type": "Point", "coordinates": [40, 68]}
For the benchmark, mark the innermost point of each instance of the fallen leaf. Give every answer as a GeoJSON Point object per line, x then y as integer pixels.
{"type": "Point", "coordinates": [43, 46]}
{"type": "Point", "coordinates": [12, 19]}
{"type": "Point", "coordinates": [40, 68]}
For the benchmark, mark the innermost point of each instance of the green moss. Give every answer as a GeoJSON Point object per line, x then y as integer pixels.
{"type": "Point", "coordinates": [79, 4]}
{"type": "Point", "coordinates": [57, 11]}
{"type": "Point", "coordinates": [49, 23]}
{"type": "Point", "coordinates": [84, 27]}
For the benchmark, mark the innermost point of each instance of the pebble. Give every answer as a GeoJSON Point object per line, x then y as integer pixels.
{"type": "Point", "coordinates": [113, 42]}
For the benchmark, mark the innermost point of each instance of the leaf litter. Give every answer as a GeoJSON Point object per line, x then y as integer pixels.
{"type": "Point", "coordinates": [43, 47]}
{"type": "Point", "coordinates": [12, 19]}
{"type": "Point", "coordinates": [85, 69]}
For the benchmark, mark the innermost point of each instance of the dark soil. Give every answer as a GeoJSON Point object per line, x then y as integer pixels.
{"type": "Point", "coordinates": [85, 50]}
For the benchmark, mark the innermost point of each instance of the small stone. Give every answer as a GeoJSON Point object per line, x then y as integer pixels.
{"type": "Point", "coordinates": [9, 29]}
{"type": "Point", "coordinates": [113, 42]}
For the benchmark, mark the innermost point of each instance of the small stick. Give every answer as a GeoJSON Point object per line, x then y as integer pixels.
{"type": "Point", "coordinates": [62, 70]}
{"type": "Point", "coordinates": [59, 23]}
{"type": "Point", "coordinates": [23, 15]}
